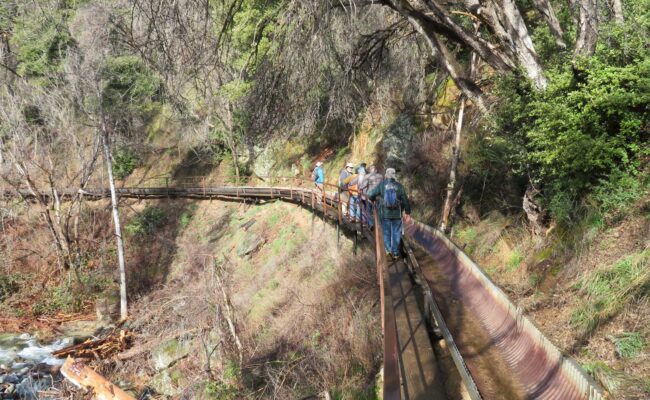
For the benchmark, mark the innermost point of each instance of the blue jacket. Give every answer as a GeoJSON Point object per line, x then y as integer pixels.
{"type": "Point", "coordinates": [320, 175]}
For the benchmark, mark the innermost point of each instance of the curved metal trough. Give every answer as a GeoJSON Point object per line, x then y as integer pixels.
{"type": "Point", "coordinates": [538, 368]}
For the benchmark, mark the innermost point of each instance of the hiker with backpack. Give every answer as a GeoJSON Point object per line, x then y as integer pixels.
{"type": "Point", "coordinates": [343, 186]}
{"type": "Point", "coordinates": [392, 200]}
{"type": "Point", "coordinates": [318, 176]}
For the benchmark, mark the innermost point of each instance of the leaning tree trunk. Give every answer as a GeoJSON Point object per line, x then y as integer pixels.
{"type": "Point", "coordinates": [446, 209]}
{"type": "Point", "coordinates": [617, 7]}
{"type": "Point", "coordinates": [116, 220]}
{"type": "Point", "coordinates": [232, 144]}
{"type": "Point", "coordinates": [507, 23]}
{"type": "Point", "coordinates": [546, 9]}
{"type": "Point", "coordinates": [587, 27]}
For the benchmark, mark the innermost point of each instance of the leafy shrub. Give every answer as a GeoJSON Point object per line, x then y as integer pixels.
{"type": "Point", "coordinates": [629, 344]}
{"type": "Point", "coordinates": [130, 85]}
{"type": "Point", "coordinates": [186, 216]}
{"type": "Point", "coordinates": [589, 123]}
{"type": "Point", "coordinates": [9, 284]}
{"type": "Point", "coordinates": [41, 43]}
{"type": "Point", "coordinates": [146, 222]}
{"type": "Point", "coordinates": [125, 161]}
{"type": "Point", "coordinates": [618, 193]}
{"type": "Point", "coordinates": [589, 126]}
{"type": "Point", "coordinates": [62, 298]}
{"type": "Point", "coordinates": [604, 374]}
{"type": "Point", "coordinates": [220, 391]}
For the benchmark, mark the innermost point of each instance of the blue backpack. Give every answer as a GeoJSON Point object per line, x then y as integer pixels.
{"type": "Point", "coordinates": [390, 196]}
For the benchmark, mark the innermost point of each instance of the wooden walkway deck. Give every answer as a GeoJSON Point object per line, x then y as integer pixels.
{"type": "Point", "coordinates": [421, 377]}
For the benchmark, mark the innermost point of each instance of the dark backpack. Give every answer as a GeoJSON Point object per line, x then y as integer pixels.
{"type": "Point", "coordinates": [391, 201]}
{"type": "Point", "coordinates": [313, 174]}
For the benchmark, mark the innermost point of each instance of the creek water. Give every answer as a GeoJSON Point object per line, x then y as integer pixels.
{"type": "Point", "coordinates": [27, 365]}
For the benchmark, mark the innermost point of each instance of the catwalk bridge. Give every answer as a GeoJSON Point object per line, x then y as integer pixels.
{"type": "Point", "coordinates": [443, 319]}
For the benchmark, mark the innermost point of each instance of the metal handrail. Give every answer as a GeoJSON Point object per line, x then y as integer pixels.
{"type": "Point", "coordinates": [392, 383]}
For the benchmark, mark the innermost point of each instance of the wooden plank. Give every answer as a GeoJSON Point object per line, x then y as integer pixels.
{"type": "Point", "coordinates": [420, 374]}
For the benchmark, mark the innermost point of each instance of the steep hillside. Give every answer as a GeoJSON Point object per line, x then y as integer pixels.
{"type": "Point", "coordinates": [303, 312]}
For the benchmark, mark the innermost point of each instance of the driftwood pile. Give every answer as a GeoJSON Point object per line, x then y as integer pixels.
{"type": "Point", "coordinates": [100, 349]}
{"type": "Point", "coordinates": [85, 377]}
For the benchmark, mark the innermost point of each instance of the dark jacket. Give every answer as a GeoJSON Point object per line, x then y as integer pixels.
{"type": "Point", "coordinates": [385, 213]}
{"type": "Point", "coordinates": [373, 180]}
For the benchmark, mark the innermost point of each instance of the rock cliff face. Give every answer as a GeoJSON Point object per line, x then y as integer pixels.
{"type": "Point", "coordinates": [398, 142]}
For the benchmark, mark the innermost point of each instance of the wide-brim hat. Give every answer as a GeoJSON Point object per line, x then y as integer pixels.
{"type": "Point", "coordinates": [349, 165]}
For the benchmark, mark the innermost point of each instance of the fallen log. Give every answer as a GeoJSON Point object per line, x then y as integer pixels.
{"type": "Point", "coordinates": [86, 378]}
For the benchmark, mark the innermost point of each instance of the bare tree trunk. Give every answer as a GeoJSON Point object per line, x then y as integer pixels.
{"type": "Point", "coordinates": [587, 28]}
{"type": "Point", "coordinates": [55, 230]}
{"type": "Point", "coordinates": [506, 22]}
{"type": "Point", "coordinates": [533, 210]}
{"type": "Point", "coordinates": [116, 220]}
{"type": "Point", "coordinates": [446, 209]}
{"type": "Point", "coordinates": [232, 144]}
{"type": "Point", "coordinates": [546, 9]}
{"type": "Point", "coordinates": [617, 7]}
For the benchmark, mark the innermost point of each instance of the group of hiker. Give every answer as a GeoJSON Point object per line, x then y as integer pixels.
{"type": "Point", "coordinates": [361, 188]}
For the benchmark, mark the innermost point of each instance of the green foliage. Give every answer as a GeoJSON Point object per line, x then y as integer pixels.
{"type": "Point", "coordinates": [587, 132]}
{"type": "Point", "coordinates": [130, 85]}
{"type": "Point", "coordinates": [605, 292]}
{"type": "Point", "coordinates": [186, 216]}
{"type": "Point", "coordinates": [252, 32]}
{"type": "Point", "coordinates": [588, 123]}
{"type": "Point", "coordinates": [515, 259]}
{"type": "Point", "coordinates": [604, 374]}
{"type": "Point", "coordinates": [147, 222]}
{"type": "Point", "coordinates": [616, 194]}
{"type": "Point", "coordinates": [62, 298]}
{"type": "Point", "coordinates": [627, 43]}
{"type": "Point", "coordinates": [629, 344]}
{"type": "Point", "coordinates": [9, 284]}
{"type": "Point", "coordinates": [71, 295]}
{"type": "Point", "coordinates": [220, 391]}
{"type": "Point", "coordinates": [42, 42]}
{"type": "Point", "coordinates": [588, 126]}
{"type": "Point", "coordinates": [125, 161]}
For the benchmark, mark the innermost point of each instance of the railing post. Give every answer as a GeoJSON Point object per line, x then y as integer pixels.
{"type": "Point", "coordinates": [339, 205]}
